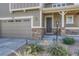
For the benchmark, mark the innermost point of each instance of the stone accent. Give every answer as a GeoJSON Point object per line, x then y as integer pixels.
{"type": "Point", "coordinates": [37, 33]}
{"type": "Point", "coordinates": [63, 31]}
{"type": "Point", "coordinates": [72, 31]}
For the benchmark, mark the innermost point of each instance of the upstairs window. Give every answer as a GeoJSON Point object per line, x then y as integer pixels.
{"type": "Point", "coordinates": [10, 20]}
{"type": "Point", "coordinates": [18, 20]}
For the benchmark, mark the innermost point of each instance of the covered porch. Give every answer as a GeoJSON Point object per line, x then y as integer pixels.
{"type": "Point", "coordinates": [67, 20]}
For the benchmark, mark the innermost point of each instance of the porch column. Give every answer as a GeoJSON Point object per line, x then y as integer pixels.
{"type": "Point", "coordinates": [41, 14]}
{"type": "Point", "coordinates": [62, 18]}
{"type": "Point", "coordinates": [41, 18]}
{"type": "Point", "coordinates": [62, 13]}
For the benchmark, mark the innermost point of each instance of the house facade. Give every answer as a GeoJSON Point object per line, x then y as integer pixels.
{"type": "Point", "coordinates": [33, 20]}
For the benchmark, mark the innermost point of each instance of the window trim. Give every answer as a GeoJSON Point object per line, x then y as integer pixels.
{"type": "Point", "coordinates": [72, 21]}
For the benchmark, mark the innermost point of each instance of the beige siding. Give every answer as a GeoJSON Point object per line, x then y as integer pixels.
{"type": "Point", "coordinates": [34, 13]}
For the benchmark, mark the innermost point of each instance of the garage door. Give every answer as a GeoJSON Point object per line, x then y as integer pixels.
{"type": "Point", "coordinates": [17, 28]}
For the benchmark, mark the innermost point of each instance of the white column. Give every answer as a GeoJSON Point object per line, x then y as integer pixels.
{"type": "Point", "coordinates": [41, 14]}
{"type": "Point", "coordinates": [40, 18]}
{"type": "Point", "coordinates": [62, 15]}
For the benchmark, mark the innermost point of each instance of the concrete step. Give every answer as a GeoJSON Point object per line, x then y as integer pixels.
{"type": "Point", "coordinates": [50, 37]}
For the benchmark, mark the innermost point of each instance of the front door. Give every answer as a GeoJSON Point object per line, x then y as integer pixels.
{"type": "Point", "coordinates": [49, 24]}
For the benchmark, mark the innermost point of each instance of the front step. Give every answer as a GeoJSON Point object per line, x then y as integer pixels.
{"type": "Point", "coordinates": [50, 37]}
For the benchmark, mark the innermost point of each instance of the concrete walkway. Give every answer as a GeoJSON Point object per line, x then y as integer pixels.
{"type": "Point", "coordinates": [8, 45]}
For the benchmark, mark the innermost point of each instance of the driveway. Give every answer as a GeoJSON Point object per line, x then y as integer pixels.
{"type": "Point", "coordinates": [8, 45]}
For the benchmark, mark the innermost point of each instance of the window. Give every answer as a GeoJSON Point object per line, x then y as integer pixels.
{"type": "Point", "coordinates": [58, 5]}
{"type": "Point", "coordinates": [63, 4]}
{"type": "Point", "coordinates": [69, 19]}
{"type": "Point", "coordinates": [54, 5]}
{"type": "Point", "coordinates": [18, 20]}
{"type": "Point", "coordinates": [10, 20]}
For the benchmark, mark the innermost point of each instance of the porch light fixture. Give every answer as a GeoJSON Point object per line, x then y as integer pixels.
{"type": "Point", "coordinates": [56, 33]}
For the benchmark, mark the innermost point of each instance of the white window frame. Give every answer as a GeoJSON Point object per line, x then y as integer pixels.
{"type": "Point", "coordinates": [72, 20]}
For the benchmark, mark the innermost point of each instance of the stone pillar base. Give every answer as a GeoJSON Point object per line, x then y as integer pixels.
{"type": "Point", "coordinates": [37, 33]}
{"type": "Point", "coordinates": [63, 31]}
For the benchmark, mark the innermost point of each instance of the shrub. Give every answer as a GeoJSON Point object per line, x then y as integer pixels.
{"type": "Point", "coordinates": [34, 49]}
{"type": "Point", "coordinates": [57, 51]}
{"type": "Point", "coordinates": [68, 41]}
{"type": "Point", "coordinates": [31, 49]}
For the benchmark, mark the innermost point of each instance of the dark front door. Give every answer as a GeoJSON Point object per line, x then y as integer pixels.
{"type": "Point", "coordinates": [49, 24]}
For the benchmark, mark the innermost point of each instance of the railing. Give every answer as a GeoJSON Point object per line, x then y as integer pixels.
{"type": "Point", "coordinates": [23, 5]}
{"type": "Point", "coordinates": [55, 5]}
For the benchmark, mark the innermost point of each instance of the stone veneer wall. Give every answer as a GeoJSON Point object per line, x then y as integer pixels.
{"type": "Point", "coordinates": [37, 33]}
{"type": "Point", "coordinates": [72, 31]}
{"type": "Point", "coordinates": [63, 31]}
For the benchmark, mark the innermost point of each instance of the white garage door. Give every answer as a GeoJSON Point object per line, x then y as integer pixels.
{"type": "Point", "coordinates": [17, 28]}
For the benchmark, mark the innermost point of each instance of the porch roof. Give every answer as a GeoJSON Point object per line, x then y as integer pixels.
{"type": "Point", "coordinates": [53, 10]}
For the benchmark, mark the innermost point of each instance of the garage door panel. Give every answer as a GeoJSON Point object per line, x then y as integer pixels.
{"type": "Point", "coordinates": [17, 29]}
